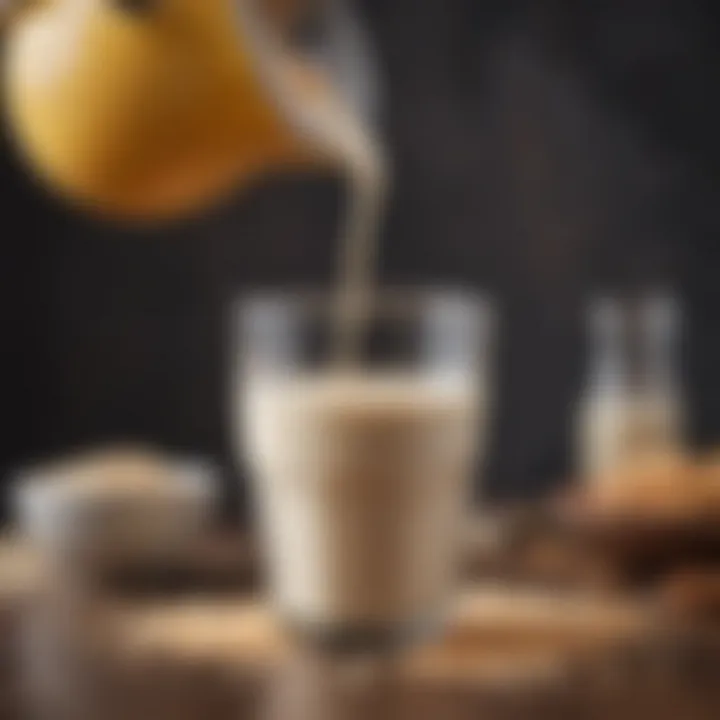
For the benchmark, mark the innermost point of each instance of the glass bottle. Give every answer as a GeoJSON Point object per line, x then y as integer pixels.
{"type": "Point", "coordinates": [631, 408]}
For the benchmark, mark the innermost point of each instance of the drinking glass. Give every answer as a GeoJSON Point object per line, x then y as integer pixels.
{"type": "Point", "coordinates": [361, 472]}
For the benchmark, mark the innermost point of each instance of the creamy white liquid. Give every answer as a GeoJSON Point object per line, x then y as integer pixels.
{"type": "Point", "coordinates": [326, 120]}
{"type": "Point", "coordinates": [362, 487]}
{"type": "Point", "coordinates": [618, 430]}
{"type": "Point", "coordinates": [337, 131]}
{"type": "Point", "coordinates": [632, 411]}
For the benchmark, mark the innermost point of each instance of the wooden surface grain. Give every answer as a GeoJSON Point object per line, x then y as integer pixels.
{"type": "Point", "coordinates": [213, 650]}
{"type": "Point", "coordinates": [507, 653]}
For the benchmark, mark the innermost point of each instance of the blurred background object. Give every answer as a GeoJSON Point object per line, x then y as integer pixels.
{"type": "Point", "coordinates": [631, 408]}
{"type": "Point", "coordinates": [98, 512]}
{"type": "Point", "coordinates": [147, 111]}
{"type": "Point", "coordinates": [547, 151]}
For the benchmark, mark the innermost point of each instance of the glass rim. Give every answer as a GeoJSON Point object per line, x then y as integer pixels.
{"type": "Point", "coordinates": [386, 300]}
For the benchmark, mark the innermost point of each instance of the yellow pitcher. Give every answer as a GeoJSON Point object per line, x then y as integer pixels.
{"type": "Point", "coordinates": [146, 109]}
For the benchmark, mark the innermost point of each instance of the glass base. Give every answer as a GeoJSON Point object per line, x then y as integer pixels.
{"type": "Point", "coordinates": [340, 638]}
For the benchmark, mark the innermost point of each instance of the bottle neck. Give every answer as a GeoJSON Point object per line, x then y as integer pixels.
{"type": "Point", "coordinates": [634, 347]}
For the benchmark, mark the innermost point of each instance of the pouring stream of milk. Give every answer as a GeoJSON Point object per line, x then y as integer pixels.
{"type": "Point", "coordinates": [306, 97]}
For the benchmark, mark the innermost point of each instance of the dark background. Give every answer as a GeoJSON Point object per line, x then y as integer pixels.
{"type": "Point", "coordinates": [543, 150]}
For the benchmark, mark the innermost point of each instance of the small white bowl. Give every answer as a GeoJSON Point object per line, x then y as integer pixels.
{"type": "Point", "coordinates": [104, 525]}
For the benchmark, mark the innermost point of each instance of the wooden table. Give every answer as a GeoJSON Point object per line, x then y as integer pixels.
{"type": "Point", "coordinates": [507, 653]}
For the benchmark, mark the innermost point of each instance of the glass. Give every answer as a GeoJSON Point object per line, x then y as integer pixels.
{"type": "Point", "coordinates": [632, 406]}
{"type": "Point", "coordinates": [361, 474]}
